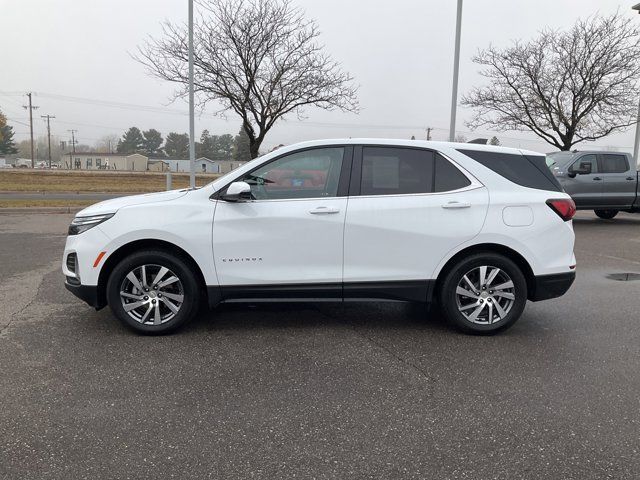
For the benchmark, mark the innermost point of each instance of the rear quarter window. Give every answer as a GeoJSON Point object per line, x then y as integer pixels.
{"type": "Point", "coordinates": [525, 170]}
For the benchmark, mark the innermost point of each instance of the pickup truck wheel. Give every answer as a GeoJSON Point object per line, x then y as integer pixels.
{"type": "Point", "coordinates": [153, 292]}
{"type": "Point", "coordinates": [484, 293]}
{"type": "Point", "coordinates": [606, 214]}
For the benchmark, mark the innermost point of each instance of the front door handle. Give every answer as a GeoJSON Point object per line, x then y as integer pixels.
{"type": "Point", "coordinates": [596, 178]}
{"type": "Point", "coordinates": [630, 178]}
{"type": "Point", "coordinates": [456, 205]}
{"type": "Point", "coordinates": [324, 211]}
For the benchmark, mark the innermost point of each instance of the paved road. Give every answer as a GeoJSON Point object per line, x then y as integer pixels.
{"type": "Point", "coordinates": [319, 391]}
{"type": "Point", "coordinates": [89, 197]}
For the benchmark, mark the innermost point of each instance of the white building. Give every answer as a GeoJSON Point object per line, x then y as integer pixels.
{"type": "Point", "coordinates": [104, 161]}
{"type": "Point", "coordinates": [203, 165]}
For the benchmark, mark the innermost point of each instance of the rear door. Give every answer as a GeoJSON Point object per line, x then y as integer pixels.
{"type": "Point", "coordinates": [585, 189]}
{"type": "Point", "coordinates": [407, 208]}
{"type": "Point", "coordinates": [619, 188]}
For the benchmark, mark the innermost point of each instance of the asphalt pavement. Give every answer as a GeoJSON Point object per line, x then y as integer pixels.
{"type": "Point", "coordinates": [316, 390]}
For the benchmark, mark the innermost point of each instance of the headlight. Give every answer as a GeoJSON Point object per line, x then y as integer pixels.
{"type": "Point", "coordinates": [82, 224]}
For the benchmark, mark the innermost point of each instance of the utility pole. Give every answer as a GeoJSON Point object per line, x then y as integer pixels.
{"type": "Point", "coordinates": [31, 109]}
{"type": "Point", "coordinates": [456, 67]}
{"type": "Point", "coordinates": [73, 140]}
{"type": "Point", "coordinates": [73, 146]}
{"type": "Point", "coordinates": [48, 117]}
{"type": "Point", "coordinates": [429, 133]}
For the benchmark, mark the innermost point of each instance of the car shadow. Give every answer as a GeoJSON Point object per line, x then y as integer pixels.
{"type": "Point", "coordinates": [300, 315]}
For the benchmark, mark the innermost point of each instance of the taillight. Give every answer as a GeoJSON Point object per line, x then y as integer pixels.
{"type": "Point", "coordinates": [564, 207]}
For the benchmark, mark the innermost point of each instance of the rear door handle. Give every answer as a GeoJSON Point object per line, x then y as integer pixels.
{"type": "Point", "coordinates": [324, 211]}
{"type": "Point", "coordinates": [596, 178]}
{"type": "Point", "coordinates": [630, 178]}
{"type": "Point", "coordinates": [456, 205]}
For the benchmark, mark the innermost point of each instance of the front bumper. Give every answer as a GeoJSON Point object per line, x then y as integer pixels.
{"type": "Point", "coordinates": [551, 286]}
{"type": "Point", "coordinates": [87, 293]}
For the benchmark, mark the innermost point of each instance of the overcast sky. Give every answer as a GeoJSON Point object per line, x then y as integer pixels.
{"type": "Point", "coordinates": [400, 53]}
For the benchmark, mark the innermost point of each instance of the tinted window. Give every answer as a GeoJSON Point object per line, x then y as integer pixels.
{"type": "Point", "coordinates": [448, 177]}
{"type": "Point", "coordinates": [614, 163]}
{"type": "Point", "coordinates": [393, 171]}
{"type": "Point", "coordinates": [528, 171]}
{"type": "Point", "coordinates": [585, 160]}
{"type": "Point", "coordinates": [307, 174]}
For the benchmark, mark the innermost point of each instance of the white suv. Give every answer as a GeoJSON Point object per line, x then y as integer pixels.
{"type": "Point", "coordinates": [478, 229]}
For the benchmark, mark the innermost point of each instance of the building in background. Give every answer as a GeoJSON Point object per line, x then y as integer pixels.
{"type": "Point", "coordinates": [203, 165]}
{"type": "Point", "coordinates": [105, 161]}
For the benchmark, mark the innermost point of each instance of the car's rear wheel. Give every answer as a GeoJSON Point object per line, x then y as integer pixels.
{"type": "Point", "coordinates": [483, 293]}
{"type": "Point", "coordinates": [606, 214]}
{"type": "Point", "coordinates": [153, 292]}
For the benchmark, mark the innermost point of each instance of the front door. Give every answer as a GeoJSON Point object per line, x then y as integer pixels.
{"type": "Point", "coordinates": [287, 241]}
{"type": "Point", "coordinates": [585, 189]}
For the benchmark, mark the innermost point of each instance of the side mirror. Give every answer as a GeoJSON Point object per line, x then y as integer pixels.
{"type": "Point", "coordinates": [237, 192]}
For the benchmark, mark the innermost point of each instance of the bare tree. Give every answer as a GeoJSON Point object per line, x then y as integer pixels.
{"type": "Point", "coordinates": [258, 58]}
{"type": "Point", "coordinates": [566, 87]}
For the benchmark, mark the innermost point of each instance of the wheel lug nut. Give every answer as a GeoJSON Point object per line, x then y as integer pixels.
{"type": "Point", "coordinates": [146, 298]}
{"type": "Point", "coordinates": [159, 295]}
{"type": "Point", "coordinates": [153, 301]}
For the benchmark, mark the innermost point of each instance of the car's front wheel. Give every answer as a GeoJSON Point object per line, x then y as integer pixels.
{"type": "Point", "coordinates": [153, 292]}
{"type": "Point", "coordinates": [606, 214]}
{"type": "Point", "coordinates": [483, 293]}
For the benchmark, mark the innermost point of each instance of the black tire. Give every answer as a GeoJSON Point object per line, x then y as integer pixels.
{"type": "Point", "coordinates": [606, 214]}
{"type": "Point", "coordinates": [448, 297]}
{"type": "Point", "coordinates": [190, 290]}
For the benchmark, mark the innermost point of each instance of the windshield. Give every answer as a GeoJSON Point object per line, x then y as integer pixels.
{"type": "Point", "coordinates": [559, 158]}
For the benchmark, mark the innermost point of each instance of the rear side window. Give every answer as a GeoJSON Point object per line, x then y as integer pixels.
{"type": "Point", "coordinates": [396, 171]}
{"type": "Point", "coordinates": [614, 163]}
{"type": "Point", "coordinates": [527, 171]}
{"type": "Point", "coordinates": [448, 177]}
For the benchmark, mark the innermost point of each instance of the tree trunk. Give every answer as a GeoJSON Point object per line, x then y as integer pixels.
{"type": "Point", "coordinates": [254, 147]}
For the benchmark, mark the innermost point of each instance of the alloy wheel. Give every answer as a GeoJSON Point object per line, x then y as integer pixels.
{"type": "Point", "coordinates": [485, 295]}
{"type": "Point", "coordinates": [151, 294]}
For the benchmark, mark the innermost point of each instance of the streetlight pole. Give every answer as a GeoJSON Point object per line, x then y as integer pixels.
{"type": "Point", "coordinates": [192, 140]}
{"type": "Point", "coordinates": [456, 67]}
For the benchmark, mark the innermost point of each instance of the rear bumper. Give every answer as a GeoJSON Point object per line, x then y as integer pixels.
{"type": "Point", "coordinates": [86, 293]}
{"type": "Point", "coordinates": [551, 286]}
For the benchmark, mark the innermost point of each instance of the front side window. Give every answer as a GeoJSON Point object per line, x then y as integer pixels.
{"type": "Point", "coordinates": [396, 171]}
{"type": "Point", "coordinates": [308, 174]}
{"type": "Point", "coordinates": [584, 163]}
{"type": "Point", "coordinates": [614, 163]}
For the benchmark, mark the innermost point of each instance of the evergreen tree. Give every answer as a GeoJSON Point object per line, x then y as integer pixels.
{"type": "Point", "coordinates": [494, 141]}
{"type": "Point", "coordinates": [224, 147]}
{"type": "Point", "coordinates": [152, 142]}
{"type": "Point", "coordinates": [177, 146]}
{"type": "Point", "coordinates": [206, 146]}
{"type": "Point", "coordinates": [241, 149]}
{"type": "Point", "coordinates": [7, 145]}
{"type": "Point", "coordinates": [131, 142]}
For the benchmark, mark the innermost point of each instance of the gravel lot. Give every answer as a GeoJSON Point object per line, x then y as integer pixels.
{"type": "Point", "coordinates": [319, 391]}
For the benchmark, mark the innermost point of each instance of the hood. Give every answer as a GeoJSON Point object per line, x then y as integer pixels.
{"type": "Point", "coordinates": [111, 206]}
